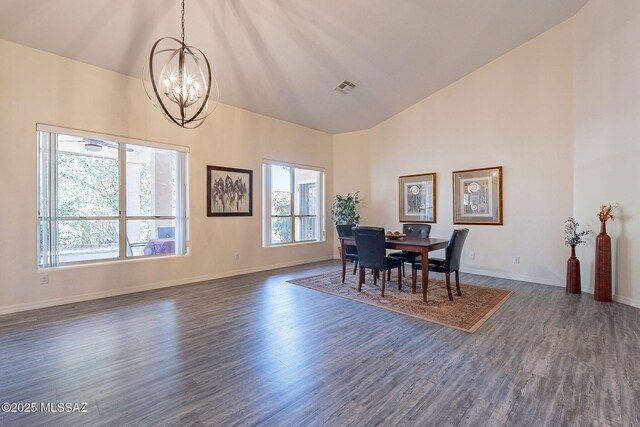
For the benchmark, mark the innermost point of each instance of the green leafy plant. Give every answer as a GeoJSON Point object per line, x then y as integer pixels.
{"type": "Point", "coordinates": [281, 226]}
{"type": "Point", "coordinates": [573, 235]}
{"type": "Point", "coordinates": [345, 209]}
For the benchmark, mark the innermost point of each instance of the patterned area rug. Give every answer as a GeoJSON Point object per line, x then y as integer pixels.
{"type": "Point", "coordinates": [468, 312]}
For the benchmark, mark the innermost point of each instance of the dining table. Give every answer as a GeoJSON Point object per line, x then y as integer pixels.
{"type": "Point", "coordinates": [409, 244]}
{"type": "Point", "coordinates": [160, 246]}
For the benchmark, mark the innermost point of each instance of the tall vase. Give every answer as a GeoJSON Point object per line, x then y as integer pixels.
{"type": "Point", "coordinates": [574, 286]}
{"type": "Point", "coordinates": [602, 291]}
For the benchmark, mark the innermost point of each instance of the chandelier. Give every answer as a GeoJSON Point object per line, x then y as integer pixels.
{"type": "Point", "coordinates": [178, 81]}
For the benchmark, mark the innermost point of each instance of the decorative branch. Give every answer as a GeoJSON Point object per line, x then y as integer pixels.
{"type": "Point", "coordinates": [605, 212]}
{"type": "Point", "coordinates": [573, 235]}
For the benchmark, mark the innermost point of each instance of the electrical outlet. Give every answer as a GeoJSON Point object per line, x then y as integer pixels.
{"type": "Point", "coordinates": [472, 255]}
{"type": "Point", "coordinates": [237, 257]}
{"type": "Point", "coordinates": [516, 260]}
{"type": "Point", "coordinates": [44, 279]}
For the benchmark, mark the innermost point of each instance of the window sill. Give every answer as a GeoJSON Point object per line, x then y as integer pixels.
{"type": "Point", "coordinates": [89, 264]}
{"type": "Point", "coordinates": [285, 245]}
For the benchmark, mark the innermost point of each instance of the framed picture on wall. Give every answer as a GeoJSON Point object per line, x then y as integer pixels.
{"type": "Point", "coordinates": [417, 197]}
{"type": "Point", "coordinates": [477, 196]}
{"type": "Point", "coordinates": [229, 191]}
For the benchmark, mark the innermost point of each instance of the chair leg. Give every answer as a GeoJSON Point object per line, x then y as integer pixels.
{"type": "Point", "coordinates": [458, 283]}
{"type": "Point", "coordinates": [389, 275]}
{"type": "Point", "coordinates": [382, 284]}
{"type": "Point", "coordinates": [404, 274]}
{"type": "Point", "coordinates": [414, 280]}
{"type": "Point", "coordinates": [400, 276]}
{"type": "Point", "coordinates": [375, 277]}
{"type": "Point", "coordinates": [355, 267]}
{"type": "Point", "coordinates": [448, 280]}
{"type": "Point", "coordinates": [360, 279]}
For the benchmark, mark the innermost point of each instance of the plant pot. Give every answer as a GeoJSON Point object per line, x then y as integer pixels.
{"type": "Point", "coordinates": [574, 285]}
{"type": "Point", "coordinates": [602, 288]}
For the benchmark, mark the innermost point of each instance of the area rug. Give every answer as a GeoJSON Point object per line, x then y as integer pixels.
{"type": "Point", "coordinates": [467, 312]}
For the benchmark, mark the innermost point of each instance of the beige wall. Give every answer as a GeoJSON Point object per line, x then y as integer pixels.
{"type": "Point", "coordinates": [39, 87]}
{"type": "Point", "coordinates": [607, 134]}
{"type": "Point", "coordinates": [351, 163]}
{"type": "Point", "coordinates": [514, 112]}
{"type": "Point", "coordinates": [559, 113]}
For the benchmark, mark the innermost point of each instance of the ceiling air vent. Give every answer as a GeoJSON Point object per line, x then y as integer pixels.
{"type": "Point", "coordinates": [345, 87]}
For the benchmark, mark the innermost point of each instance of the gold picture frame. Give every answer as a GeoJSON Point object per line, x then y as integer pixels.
{"type": "Point", "coordinates": [477, 196]}
{"type": "Point", "coordinates": [417, 197]}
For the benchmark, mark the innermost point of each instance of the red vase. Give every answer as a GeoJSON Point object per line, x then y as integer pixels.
{"type": "Point", "coordinates": [574, 285]}
{"type": "Point", "coordinates": [602, 288]}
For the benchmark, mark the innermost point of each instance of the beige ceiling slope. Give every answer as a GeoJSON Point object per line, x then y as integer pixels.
{"type": "Point", "coordinates": [283, 58]}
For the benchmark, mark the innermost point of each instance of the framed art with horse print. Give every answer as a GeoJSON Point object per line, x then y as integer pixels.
{"type": "Point", "coordinates": [229, 191]}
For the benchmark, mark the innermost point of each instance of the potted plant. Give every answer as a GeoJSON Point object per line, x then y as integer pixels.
{"type": "Point", "coordinates": [573, 238]}
{"type": "Point", "coordinates": [345, 209]}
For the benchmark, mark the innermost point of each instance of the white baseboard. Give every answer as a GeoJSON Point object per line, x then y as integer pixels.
{"type": "Point", "coordinates": [627, 301]}
{"type": "Point", "coordinates": [524, 278]}
{"type": "Point", "coordinates": [532, 279]}
{"type": "Point", "coordinates": [150, 286]}
{"type": "Point", "coordinates": [512, 276]}
{"type": "Point", "coordinates": [504, 275]}
{"type": "Point", "coordinates": [618, 298]}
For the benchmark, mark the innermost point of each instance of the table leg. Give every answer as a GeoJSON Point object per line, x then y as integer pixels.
{"type": "Point", "coordinates": [425, 272]}
{"type": "Point", "coordinates": [343, 255]}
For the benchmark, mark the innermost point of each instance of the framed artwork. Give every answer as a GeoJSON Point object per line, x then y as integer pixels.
{"type": "Point", "coordinates": [417, 197]}
{"type": "Point", "coordinates": [229, 191]}
{"type": "Point", "coordinates": [477, 196]}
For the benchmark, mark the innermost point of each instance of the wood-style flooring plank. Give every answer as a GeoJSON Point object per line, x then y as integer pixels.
{"type": "Point", "coordinates": [256, 350]}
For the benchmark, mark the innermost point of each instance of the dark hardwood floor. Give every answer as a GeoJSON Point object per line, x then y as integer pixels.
{"type": "Point", "coordinates": [254, 350]}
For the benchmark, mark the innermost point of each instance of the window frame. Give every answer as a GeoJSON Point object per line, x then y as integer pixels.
{"type": "Point", "coordinates": [267, 205]}
{"type": "Point", "coordinates": [181, 217]}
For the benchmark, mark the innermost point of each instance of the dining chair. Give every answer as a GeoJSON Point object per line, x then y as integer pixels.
{"type": "Point", "coordinates": [346, 230]}
{"type": "Point", "coordinates": [450, 264]}
{"type": "Point", "coordinates": [417, 231]}
{"type": "Point", "coordinates": [373, 255]}
{"type": "Point", "coordinates": [166, 232]}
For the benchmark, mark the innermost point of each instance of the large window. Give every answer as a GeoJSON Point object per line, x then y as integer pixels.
{"type": "Point", "coordinates": [293, 204]}
{"type": "Point", "coordinates": [106, 198]}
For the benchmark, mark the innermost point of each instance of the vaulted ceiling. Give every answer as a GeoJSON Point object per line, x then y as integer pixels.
{"type": "Point", "coordinates": [282, 58]}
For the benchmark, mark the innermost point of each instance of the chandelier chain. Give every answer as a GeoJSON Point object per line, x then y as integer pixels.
{"type": "Point", "coordinates": [182, 21]}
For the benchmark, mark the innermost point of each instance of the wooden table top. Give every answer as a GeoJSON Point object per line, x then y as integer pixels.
{"type": "Point", "coordinates": [429, 243]}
